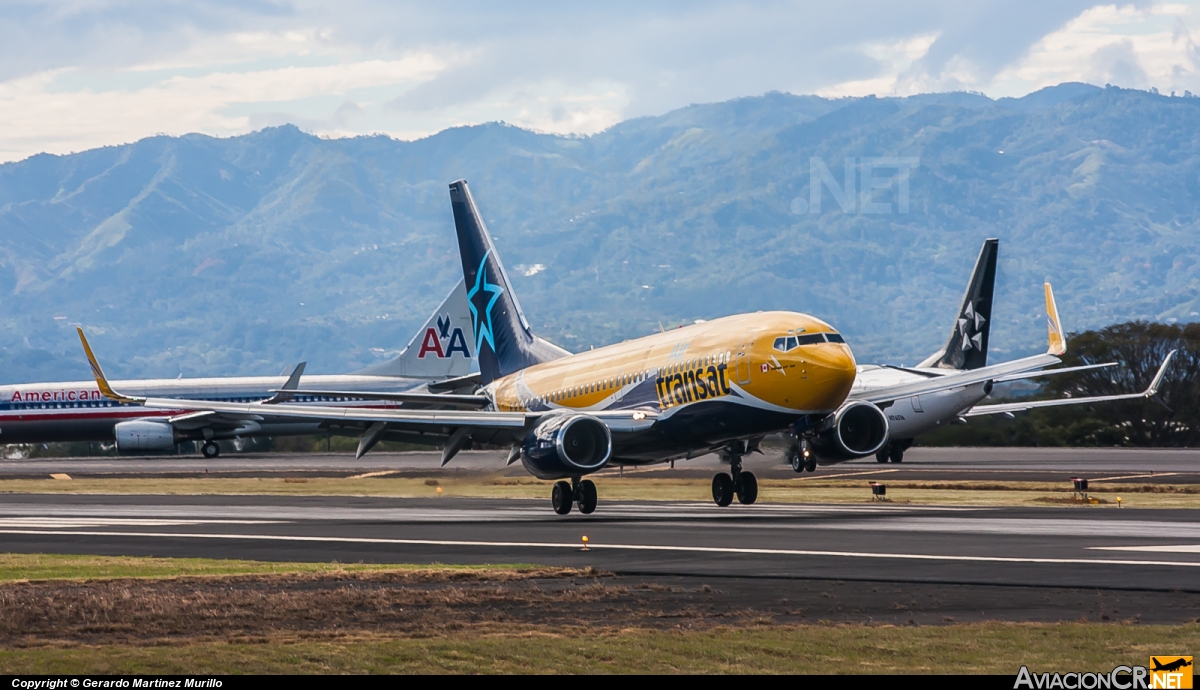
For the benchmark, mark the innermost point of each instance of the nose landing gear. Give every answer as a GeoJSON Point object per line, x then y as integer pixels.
{"type": "Point", "coordinates": [801, 457]}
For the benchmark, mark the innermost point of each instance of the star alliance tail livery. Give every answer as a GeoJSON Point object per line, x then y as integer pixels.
{"type": "Point", "coordinates": [967, 347]}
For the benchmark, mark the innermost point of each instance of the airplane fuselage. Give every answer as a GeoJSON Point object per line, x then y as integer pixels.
{"type": "Point", "coordinates": [911, 417]}
{"type": "Point", "coordinates": [709, 383]}
{"type": "Point", "coordinates": [76, 411]}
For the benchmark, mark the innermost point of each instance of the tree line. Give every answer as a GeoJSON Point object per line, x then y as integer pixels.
{"type": "Point", "coordinates": [1171, 419]}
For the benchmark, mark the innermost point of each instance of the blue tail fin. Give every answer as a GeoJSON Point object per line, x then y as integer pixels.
{"type": "Point", "coordinates": [504, 342]}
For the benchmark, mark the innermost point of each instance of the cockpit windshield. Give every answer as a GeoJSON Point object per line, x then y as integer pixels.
{"type": "Point", "coordinates": [791, 342]}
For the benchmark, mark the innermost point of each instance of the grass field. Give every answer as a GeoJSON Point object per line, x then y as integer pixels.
{"type": "Point", "coordinates": [973, 648]}
{"type": "Point", "coordinates": [801, 490]}
{"type": "Point", "coordinates": [18, 567]}
{"type": "Point", "coordinates": [449, 624]}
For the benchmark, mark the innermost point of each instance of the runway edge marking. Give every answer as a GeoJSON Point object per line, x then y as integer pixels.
{"type": "Point", "coordinates": [614, 547]}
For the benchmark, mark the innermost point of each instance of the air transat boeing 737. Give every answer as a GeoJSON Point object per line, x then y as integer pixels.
{"type": "Point", "coordinates": [76, 411]}
{"type": "Point", "coordinates": [715, 386]}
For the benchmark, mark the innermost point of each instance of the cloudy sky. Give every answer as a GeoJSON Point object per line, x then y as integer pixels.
{"type": "Point", "coordinates": [76, 74]}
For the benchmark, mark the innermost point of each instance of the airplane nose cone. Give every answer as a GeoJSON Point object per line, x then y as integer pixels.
{"type": "Point", "coordinates": [832, 373]}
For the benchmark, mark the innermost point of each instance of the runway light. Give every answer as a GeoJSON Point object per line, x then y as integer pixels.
{"type": "Point", "coordinates": [1118, 501]}
{"type": "Point", "coordinates": [439, 489]}
{"type": "Point", "coordinates": [585, 542]}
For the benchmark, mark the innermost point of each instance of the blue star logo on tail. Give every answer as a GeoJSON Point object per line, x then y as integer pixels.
{"type": "Point", "coordinates": [481, 299]}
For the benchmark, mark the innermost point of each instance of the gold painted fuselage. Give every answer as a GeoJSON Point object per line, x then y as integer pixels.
{"type": "Point", "coordinates": [709, 383]}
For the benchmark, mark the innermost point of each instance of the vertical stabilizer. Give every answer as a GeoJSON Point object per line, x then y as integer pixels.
{"type": "Point", "coordinates": [504, 342]}
{"type": "Point", "coordinates": [968, 343]}
{"type": "Point", "coordinates": [442, 348]}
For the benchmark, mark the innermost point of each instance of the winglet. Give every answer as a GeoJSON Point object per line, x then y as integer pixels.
{"type": "Point", "coordinates": [1162, 372]}
{"type": "Point", "coordinates": [1058, 343]}
{"type": "Point", "coordinates": [98, 373]}
{"type": "Point", "coordinates": [285, 394]}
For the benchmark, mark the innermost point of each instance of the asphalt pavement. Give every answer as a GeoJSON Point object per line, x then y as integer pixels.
{"type": "Point", "coordinates": [1148, 550]}
{"type": "Point", "coordinates": [933, 464]}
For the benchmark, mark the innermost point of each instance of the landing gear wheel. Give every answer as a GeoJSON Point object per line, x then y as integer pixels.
{"type": "Point", "coordinates": [810, 463]}
{"type": "Point", "coordinates": [796, 461]}
{"type": "Point", "coordinates": [747, 488]}
{"type": "Point", "coordinates": [897, 454]}
{"type": "Point", "coordinates": [210, 449]}
{"type": "Point", "coordinates": [587, 497]}
{"type": "Point", "coordinates": [722, 489]}
{"type": "Point", "coordinates": [882, 455]}
{"type": "Point", "coordinates": [561, 497]}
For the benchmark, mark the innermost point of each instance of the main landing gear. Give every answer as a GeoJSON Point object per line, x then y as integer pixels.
{"type": "Point", "coordinates": [210, 449]}
{"type": "Point", "coordinates": [893, 451]}
{"type": "Point", "coordinates": [578, 491]}
{"type": "Point", "coordinates": [742, 484]}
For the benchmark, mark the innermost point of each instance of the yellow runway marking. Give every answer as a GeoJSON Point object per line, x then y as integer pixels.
{"type": "Point", "coordinates": [843, 474]}
{"type": "Point", "coordinates": [368, 475]}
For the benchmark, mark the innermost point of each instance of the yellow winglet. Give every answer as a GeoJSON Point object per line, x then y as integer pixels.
{"type": "Point", "coordinates": [98, 373]}
{"type": "Point", "coordinates": [1058, 342]}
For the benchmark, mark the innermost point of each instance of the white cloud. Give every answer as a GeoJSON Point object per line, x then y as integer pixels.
{"type": "Point", "coordinates": [35, 114]}
{"type": "Point", "coordinates": [75, 75]}
{"type": "Point", "coordinates": [1124, 45]}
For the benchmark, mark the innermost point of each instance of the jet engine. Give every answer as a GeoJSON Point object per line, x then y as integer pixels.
{"type": "Point", "coordinates": [141, 435]}
{"type": "Point", "coordinates": [567, 446]}
{"type": "Point", "coordinates": [854, 430]}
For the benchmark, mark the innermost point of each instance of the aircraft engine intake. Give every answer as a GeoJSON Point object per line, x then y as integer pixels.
{"type": "Point", "coordinates": [567, 446]}
{"type": "Point", "coordinates": [855, 430]}
{"type": "Point", "coordinates": [139, 435]}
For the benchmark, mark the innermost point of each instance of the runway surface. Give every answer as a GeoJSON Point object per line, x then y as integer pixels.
{"type": "Point", "coordinates": [935, 464]}
{"type": "Point", "coordinates": [1039, 547]}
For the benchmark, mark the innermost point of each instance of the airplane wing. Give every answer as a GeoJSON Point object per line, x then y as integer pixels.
{"type": "Point", "coordinates": [458, 426]}
{"type": "Point", "coordinates": [1007, 371]}
{"type": "Point", "coordinates": [936, 373]}
{"type": "Point", "coordinates": [1003, 408]}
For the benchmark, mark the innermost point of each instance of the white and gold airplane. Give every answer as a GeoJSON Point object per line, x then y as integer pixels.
{"type": "Point", "coordinates": [715, 386]}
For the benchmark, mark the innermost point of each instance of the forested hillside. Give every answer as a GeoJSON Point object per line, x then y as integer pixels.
{"type": "Point", "coordinates": [197, 255]}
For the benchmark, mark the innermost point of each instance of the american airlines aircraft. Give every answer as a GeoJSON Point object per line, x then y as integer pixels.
{"type": "Point", "coordinates": [77, 411]}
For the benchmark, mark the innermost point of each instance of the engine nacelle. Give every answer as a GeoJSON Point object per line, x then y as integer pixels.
{"type": "Point", "coordinates": [140, 435]}
{"type": "Point", "coordinates": [567, 446]}
{"type": "Point", "coordinates": [855, 430]}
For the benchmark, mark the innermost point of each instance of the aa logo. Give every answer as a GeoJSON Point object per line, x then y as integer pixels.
{"type": "Point", "coordinates": [1170, 672]}
{"type": "Point", "coordinates": [442, 342]}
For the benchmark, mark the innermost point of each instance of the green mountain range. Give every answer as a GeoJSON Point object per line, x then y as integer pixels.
{"type": "Point", "coordinates": [202, 256]}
